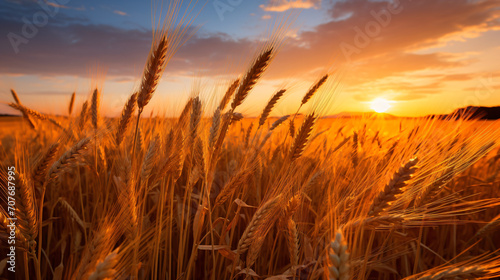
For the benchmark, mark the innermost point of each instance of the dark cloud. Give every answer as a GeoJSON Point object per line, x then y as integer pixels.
{"type": "Point", "coordinates": [72, 46]}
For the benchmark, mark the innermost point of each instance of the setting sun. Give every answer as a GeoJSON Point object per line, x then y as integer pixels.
{"type": "Point", "coordinates": [380, 105]}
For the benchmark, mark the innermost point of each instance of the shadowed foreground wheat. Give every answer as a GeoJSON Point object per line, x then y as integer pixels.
{"type": "Point", "coordinates": [213, 195]}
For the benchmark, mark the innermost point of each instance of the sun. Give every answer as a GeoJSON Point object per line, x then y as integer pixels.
{"type": "Point", "coordinates": [380, 105]}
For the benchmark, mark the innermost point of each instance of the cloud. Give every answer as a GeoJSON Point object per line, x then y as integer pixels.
{"type": "Point", "coordinates": [266, 16]}
{"type": "Point", "coordinates": [119, 13]}
{"type": "Point", "coordinates": [52, 4]}
{"type": "Point", "coordinates": [388, 62]}
{"type": "Point", "coordinates": [76, 47]}
{"type": "Point", "coordinates": [284, 5]}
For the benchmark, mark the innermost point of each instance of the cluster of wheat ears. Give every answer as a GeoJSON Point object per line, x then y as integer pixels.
{"type": "Point", "coordinates": [213, 195]}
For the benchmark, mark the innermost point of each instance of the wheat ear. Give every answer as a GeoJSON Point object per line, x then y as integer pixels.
{"type": "Point", "coordinates": [270, 105]}
{"type": "Point", "coordinates": [37, 115]}
{"type": "Point", "coordinates": [26, 211]}
{"type": "Point", "coordinates": [25, 115]}
{"type": "Point", "coordinates": [258, 221]}
{"type": "Point", "coordinates": [393, 188]}
{"type": "Point", "coordinates": [152, 72]}
{"type": "Point", "coordinates": [67, 159]}
{"type": "Point", "coordinates": [292, 240]}
{"type": "Point", "coordinates": [126, 118]}
{"type": "Point", "coordinates": [83, 115]}
{"type": "Point", "coordinates": [41, 168]}
{"type": "Point", "coordinates": [94, 107]}
{"type": "Point", "coordinates": [313, 89]}
{"type": "Point", "coordinates": [185, 112]}
{"type": "Point", "coordinates": [236, 181]}
{"type": "Point", "coordinates": [302, 137]}
{"type": "Point", "coordinates": [71, 103]}
{"type": "Point", "coordinates": [278, 122]}
{"type": "Point", "coordinates": [253, 74]}
{"type": "Point", "coordinates": [105, 269]}
{"type": "Point", "coordinates": [229, 93]}
{"type": "Point", "coordinates": [291, 127]}
{"type": "Point", "coordinates": [72, 213]}
{"type": "Point", "coordinates": [247, 134]}
{"type": "Point", "coordinates": [338, 258]}
{"type": "Point", "coordinates": [292, 206]}
{"type": "Point", "coordinates": [196, 112]}
{"type": "Point", "coordinates": [150, 158]}
{"type": "Point", "coordinates": [235, 117]}
{"type": "Point", "coordinates": [214, 129]}
{"type": "Point", "coordinates": [93, 251]}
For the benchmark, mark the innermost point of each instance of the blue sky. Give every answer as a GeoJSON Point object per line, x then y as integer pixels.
{"type": "Point", "coordinates": [429, 56]}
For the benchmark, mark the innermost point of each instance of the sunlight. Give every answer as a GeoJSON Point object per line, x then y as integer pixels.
{"type": "Point", "coordinates": [380, 105]}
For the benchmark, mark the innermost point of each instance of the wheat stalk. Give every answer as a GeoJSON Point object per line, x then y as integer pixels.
{"type": "Point", "coordinates": [490, 227]}
{"type": "Point", "coordinates": [354, 153]}
{"type": "Point", "coordinates": [461, 272]}
{"type": "Point", "coordinates": [199, 156]}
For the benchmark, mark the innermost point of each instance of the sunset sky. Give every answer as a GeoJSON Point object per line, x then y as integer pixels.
{"type": "Point", "coordinates": [423, 56]}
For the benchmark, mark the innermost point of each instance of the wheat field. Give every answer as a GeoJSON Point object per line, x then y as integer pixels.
{"type": "Point", "coordinates": [211, 194]}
